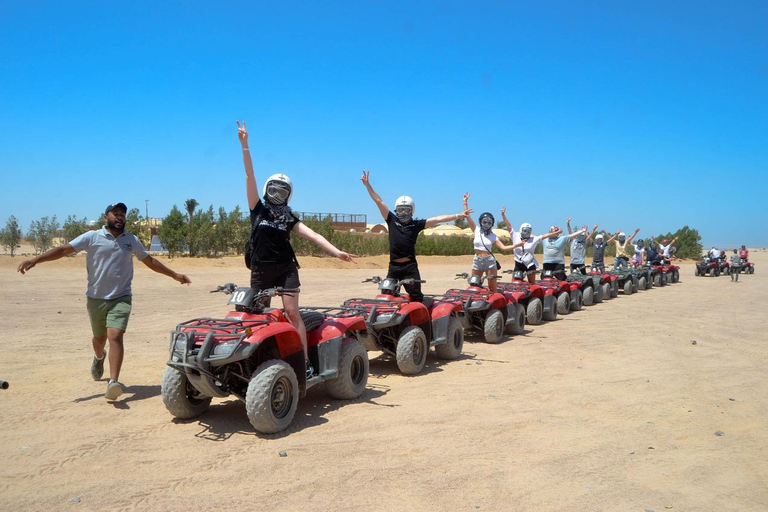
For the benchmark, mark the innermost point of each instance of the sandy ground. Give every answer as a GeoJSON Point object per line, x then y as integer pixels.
{"type": "Point", "coordinates": [612, 408]}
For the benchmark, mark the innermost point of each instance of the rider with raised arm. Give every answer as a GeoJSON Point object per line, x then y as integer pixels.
{"type": "Point", "coordinates": [525, 261]}
{"type": "Point", "coordinates": [554, 250]}
{"type": "Point", "coordinates": [579, 248]}
{"type": "Point", "coordinates": [665, 248]}
{"type": "Point", "coordinates": [404, 229]}
{"type": "Point", "coordinates": [484, 241]}
{"type": "Point", "coordinates": [272, 260]}
{"type": "Point", "coordinates": [598, 250]}
{"type": "Point", "coordinates": [622, 249]}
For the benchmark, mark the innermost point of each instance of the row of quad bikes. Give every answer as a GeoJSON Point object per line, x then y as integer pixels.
{"type": "Point", "coordinates": [715, 267]}
{"type": "Point", "coordinates": [256, 355]}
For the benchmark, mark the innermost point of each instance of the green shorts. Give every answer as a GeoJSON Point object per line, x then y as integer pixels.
{"type": "Point", "coordinates": [106, 313]}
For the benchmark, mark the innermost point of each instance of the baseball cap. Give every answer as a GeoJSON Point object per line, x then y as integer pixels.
{"type": "Point", "coordinates": [116, 206]}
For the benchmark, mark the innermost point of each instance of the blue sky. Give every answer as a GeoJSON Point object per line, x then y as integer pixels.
{"type": "Point", "coordinates": [629, 114]}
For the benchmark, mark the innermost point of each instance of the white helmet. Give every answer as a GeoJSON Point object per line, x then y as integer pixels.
{"type": "Point", "coordinates": [407, 208]}
{"type": "Point", "coordinates": [278, 189]}
{"type": "Point", "coordinates": [599, 236]}
{"type": "Point", "coordinates": [526, 229]}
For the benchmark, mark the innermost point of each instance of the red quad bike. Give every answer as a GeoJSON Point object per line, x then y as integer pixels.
{"type": "Point", "coordinates": [567, 294]}
{"type": "Point", "coordinates": [405, 329]}
{"type": "Point", "coordinates": [708, 266]}
{"type": "Point", "coordinates": [610, 282]}
{"type": "Point", "coordinates": [539, 303]}
{"type": "Point", "coordinates": [747, 266]}
{"type": "Point", "coordinates": [672, 272]}
{"type": "Point", "coordinates": [255, 354]}
{"type": "Point", "coordinates": [492, 313]}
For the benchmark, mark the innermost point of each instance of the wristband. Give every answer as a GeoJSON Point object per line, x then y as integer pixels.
{"type": "Point", "coordinates": [246, 149]}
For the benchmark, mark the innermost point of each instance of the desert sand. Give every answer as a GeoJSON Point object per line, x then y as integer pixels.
{"type": "Point", "coordinates": [611, 408]}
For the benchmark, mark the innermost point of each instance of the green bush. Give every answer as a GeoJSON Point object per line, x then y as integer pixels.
{"type": "Point", "coordinates": [10, 235]}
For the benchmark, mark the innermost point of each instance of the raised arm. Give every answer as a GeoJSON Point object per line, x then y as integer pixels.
{"type": "Point", "coordinates": [450, 217]}
{"type": "Point", "coordinates": [470, 222]}
{"type": "Point", "coordinates": [577, 233]}
{"type": "Point", "coordinates": [365, 178]}
{"type": "Point", "coordinates": [504, 247]}
{"type": "Point", "coordinates": [251, 188]}
{"type": "Point", "coordinates": [550, 235]}
{"type": "Point", "coordinates": [506, 220]}
{"type": "Point", "coordinates": [637, 230]}
{"type": "Point", "coordinates": [568, 224]}
{"type": "Point", "coordinates": [49, 255]}
{"type": "Point", "coordinates": [612, 237]}
{"type": "Point", "coordinates": [305, 231]}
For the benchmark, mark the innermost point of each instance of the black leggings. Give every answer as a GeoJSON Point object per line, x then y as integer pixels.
{"type": "Point", "coordinates": [407, 270]}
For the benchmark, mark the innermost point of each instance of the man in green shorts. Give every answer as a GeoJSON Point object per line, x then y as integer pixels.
{"type": "Point", "coordinates": [110, 272]}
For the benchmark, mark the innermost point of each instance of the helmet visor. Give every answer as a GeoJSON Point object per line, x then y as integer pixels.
{"type": "Point", "coordinates": [404, 211]}
{"type": "Point", "coordinates": [278, 192]}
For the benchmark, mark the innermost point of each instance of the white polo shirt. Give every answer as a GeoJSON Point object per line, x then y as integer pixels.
{"type": "Point", "coordinates": [109, 262]}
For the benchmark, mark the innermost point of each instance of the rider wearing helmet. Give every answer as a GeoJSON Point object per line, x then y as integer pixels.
{"type": "Point", "coordinates": [665, 248]}
{"type": "Point", "coordinates": [554, 250]}
{"type": "Point", "coordinates": [579, 248]}
{"type": "Point", "coordinates": [637, 258]}
{"type": "Point", "coordinates": [404, 228]}
{"type": "Point", "coordinates": [744, 253]}
{"type": "Point", "coordinates": [485, 239]}
{"type": "Point", "coordinates": [525, 261]}
{"type": "Point", "coordinates": [651, 255]}
{"type": "Point", "coordinates": [272, 260]}
{"type": "Point", "coordinates": [622, 249]}
{"type": "Point", "coordinates": [598, 251]}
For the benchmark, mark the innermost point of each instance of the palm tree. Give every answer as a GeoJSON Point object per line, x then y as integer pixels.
{"type": "Point", "coordinates": [190, 205]}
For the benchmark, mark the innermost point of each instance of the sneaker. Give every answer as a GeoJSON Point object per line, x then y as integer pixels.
{"type": "Point", "coordinates": [310, 370]}
{"type": "Point", "coordinates": [114, 390]}
{"type": "Point", "coordinates": [97, 366]}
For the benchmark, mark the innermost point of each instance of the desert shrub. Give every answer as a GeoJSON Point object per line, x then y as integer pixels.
{"type": "Point", "coordinates": [10, 235]}
{"type": "Point", "coordinates": [42, 232]}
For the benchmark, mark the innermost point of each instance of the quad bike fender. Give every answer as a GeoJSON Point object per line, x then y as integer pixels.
{"type": "Point", "coordinates": [574, 285]}
{"type": "Point", "coordinates": [416, 312]}
{"type": "Point", "coordinates": [286, 337]}
{"type": "Point", "coordinates": [440, 329]}
{"type": "Point", "coordinates": [445, 309]}
{"type": "Point", "coordinates": [498, 301]}
{"type": "Point", "coordinates": [334, 328]}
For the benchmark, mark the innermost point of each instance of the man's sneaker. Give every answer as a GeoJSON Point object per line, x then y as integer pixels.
{"type": "Point", "coordinates": [310, 370]}
{"type": "Point", "coordinates": [97, 366]}
{"type": "Point", "coordinates": [114, 390]}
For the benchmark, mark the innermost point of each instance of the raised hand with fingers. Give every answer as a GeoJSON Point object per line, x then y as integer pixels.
{"type": "Point", "coordinates": [242, 133]}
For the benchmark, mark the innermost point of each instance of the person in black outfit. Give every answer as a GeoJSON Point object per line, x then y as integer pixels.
{"type": "Point", "coordinates": [273, 262]}
{"type": "Point", "coordinates": [403, 231]}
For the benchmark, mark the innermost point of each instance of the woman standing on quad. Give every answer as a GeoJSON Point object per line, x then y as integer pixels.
{"type": "Point", "coordinates": [403, 230]}
{"type": "Point", "coordinates": [637, 258]}
{"type": "Point", "coordinates": [272, 260]}
{"type": "Point", "coordinates": [622, 249]}
{"type": "Point", "coordinates": [665, 248]}
{"type": "Point", "coordinates": [525, 261]}
{"type": "Point", "coordinates": [485, 239]}
{"type": "Point", "coordinates": [579, 248]}
{"type": "Point", "coordinates": [554, 250]}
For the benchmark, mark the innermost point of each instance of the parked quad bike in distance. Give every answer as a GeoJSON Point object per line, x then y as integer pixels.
{"type": "Point", "coordinates": [746, 266]}
{"type": "Point", "coordinates": [566, 293]}
{"type": "Point", "coordinates": [255, 354]}
{"type": "Point", "coordinates": [708, 267]}
{"type": "Point", "coordinates": [591, 287]}
{"type": "Point", "coordinates": [627, 280]}
{"type": "Point", "coordinates": [405, 329]}
{"type": "Point", "coordinates": [491, 313]}
{"type": "Point", "coordinates": [537, 301]}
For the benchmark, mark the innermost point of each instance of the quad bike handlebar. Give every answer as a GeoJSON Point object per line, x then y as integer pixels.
{"type": "Point", "coordinates": [410, 280]}
{"type": "Point", "coordinates": [4, 384]}
{"type": "Point", "coordinates": [464, 275]}
{"type": "Point", "coordinates": [226, 289]}
{"type": "Point", "coordinates": [230, 288]}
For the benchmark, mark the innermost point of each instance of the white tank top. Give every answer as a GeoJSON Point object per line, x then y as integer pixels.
{"type": "Point", "coordinates": [482, 242]}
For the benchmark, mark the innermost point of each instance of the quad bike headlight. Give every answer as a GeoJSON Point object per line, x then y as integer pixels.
{"type": "Point", "coordinates": [224, 349]}
{"type": "Point", "coordinates": [181, 342]}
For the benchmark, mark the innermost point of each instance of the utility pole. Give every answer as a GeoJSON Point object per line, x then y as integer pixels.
{"type": "Point", "coordinates": [146, 209]}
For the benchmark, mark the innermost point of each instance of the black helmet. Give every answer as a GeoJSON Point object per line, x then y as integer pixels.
{"type": "Point", "coordinates": [486, 222]}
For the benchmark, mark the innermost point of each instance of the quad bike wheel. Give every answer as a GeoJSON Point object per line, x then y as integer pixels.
{"type": "Point", "coordinates": [564, 303]}
{"type": "Point", "coordinates": [607, 290]}
{"type": "Point", "coordinates": [180, 397]}
{"type": "Point", "coordinates": [615, 288]}
{"type": "Point", "coordinates": [577, 300]}
{"type": "Point", "coordinates": [533, 313]}
{"type": "Point", "coordinates": [272, 396]}
{"type": "Point", "coordinates": [493, 328]}
{"type": "Point", "coordinates": [712, 272]}
{"type": "Point", "coordinates": [517, 326]}
{"type": "Point", "coordinates": [642, 283]}
{"type": "Point", "coordinates": [696, 271]}
{"type": "Point", "coordinates": [598, 294]}
{"type": "Point", "coordinates": [675, 276]}
{"type": "Point", "coordinates": [588, 296]}
{"type": "Point", "coordinates": [751, 270]}
{"type": "Point", "coordinates": [353, 371]}
{"type": "Point", "coordinates": [451, 349]}
{"type": "Point", "coordinates": [628, 287]}
{"type": "Point", "coordinates": [412, 348]}
{"type": "Point", "coordinates": [551, 315]}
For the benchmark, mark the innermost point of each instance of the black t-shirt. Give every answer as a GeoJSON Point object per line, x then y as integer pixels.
{"type": "Point", "coordinates": [272, 236]}
{"type": "Point", "coordinates": [402, 237]}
